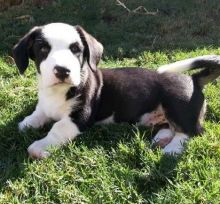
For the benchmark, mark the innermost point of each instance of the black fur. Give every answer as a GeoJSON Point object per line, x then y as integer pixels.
{"type": "Point", "coordinates": [128, 93]}
{"type": "Point", "coordinates": [89, 97]}
{"type": "Point", "coordinates": [30, 47]}
{"type": "Point", "coordinates": [210, 65]}
{"type": "Point", "coordinates": [93, 50]}
{"type": "Point", "coordinates": [86, 55]}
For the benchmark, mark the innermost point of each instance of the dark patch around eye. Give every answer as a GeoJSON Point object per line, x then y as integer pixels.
{"type": "Point", "coordinates": [75, 48]}
{"type": "Point", "coordinates": [41, 50]}
{"type": "Point", "coordinates": [44, 48]}
{"type": "Point", "coordinates": [42, 45]}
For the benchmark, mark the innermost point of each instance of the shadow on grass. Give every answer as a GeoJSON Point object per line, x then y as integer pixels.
{"type": "Point", "coordinates": [14, 158]}
{"type": "Point", "coordinates": [13, 148]}
{"type": "Point", "coordinates": [176, 25]}
{"type": "Point", "coordinates": [162, 175]}
{"type": "Point", "coordinates": [211, 115]}
{"type": "Point", "coordinates": [109, 137]}
{"type": "Point", "coordinates": [12, 152]}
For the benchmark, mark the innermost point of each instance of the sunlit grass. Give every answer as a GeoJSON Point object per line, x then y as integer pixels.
{"type": "Point", "coordinates": [110, 164]}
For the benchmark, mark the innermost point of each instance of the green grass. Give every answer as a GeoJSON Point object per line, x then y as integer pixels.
{"type": "Point", "coordinates": [111, 164]}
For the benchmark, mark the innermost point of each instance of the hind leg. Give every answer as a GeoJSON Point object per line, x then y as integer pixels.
{"type": "Point", "coordinates": [176, 146]}
{"type": "Point", "coordinates": [155, 118]}
{"type": "Point", "coordinates": [163, 138]}
{"type": "Point", "coordinates": [199, 127]}
{"type": "Point", "coordinates": [172, 143]}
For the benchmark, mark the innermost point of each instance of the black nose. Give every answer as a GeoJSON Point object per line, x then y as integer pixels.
{"type": "Point", "coordinates": [61, 72]}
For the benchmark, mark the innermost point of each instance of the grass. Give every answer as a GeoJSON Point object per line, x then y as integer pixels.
{"type": "Point", "coordinates": [111, 164]}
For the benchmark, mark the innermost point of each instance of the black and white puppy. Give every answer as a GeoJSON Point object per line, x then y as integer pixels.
{"type": "Point", "coordinates": [76, 94]}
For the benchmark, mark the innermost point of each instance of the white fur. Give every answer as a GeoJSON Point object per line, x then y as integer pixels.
{"type": "Point", "coordinates": [52, 103]}
{"type": "Point", "coordinates": [155, 117]}
{"type": "Point", "coordinates": [62, 132]}
{"type": "Point", "coordinates": [179, 66]}
{"type": "Point", "coordinates": [176, 146]}
{"type": "Point", "coordinates": [145, 119]}
{"type": "Point", "coordinates": [162, 134]}
{"type": "Point", "coordinates": [108, 120]}
{"type": "Point", "coordinates": [36, 120]}
{"type": "Point", "coordinates": [60, 36]}
{"type": "Point", "coordinates": [183, 65]}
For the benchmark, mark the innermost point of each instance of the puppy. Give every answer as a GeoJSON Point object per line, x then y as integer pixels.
{"type": "Point", "coordinates": [76, 94]}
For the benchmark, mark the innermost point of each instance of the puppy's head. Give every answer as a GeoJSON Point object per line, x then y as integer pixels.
{"type": "Point", "coordinates": [61, 53]}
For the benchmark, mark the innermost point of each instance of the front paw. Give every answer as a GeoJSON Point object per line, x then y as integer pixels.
{"type": "Point", "coordinates": [37, 150]}
{"type": "Point", "coordinates": [22, 126]}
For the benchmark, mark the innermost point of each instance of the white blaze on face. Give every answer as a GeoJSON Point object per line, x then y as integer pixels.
{"type": "Point", "coordinates": [60, 36]}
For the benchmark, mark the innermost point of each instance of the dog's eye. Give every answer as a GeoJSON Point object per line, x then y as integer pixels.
{"type": "Point", "coordinates": [44, 49]}
{"type": "Point", "coordinates": [75, 48]}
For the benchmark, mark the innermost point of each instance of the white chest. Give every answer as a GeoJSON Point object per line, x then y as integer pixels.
{"type": "Point", "coordinates": [54, 104]}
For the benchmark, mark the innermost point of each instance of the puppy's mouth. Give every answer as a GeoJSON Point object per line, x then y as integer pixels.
{"type": "Point", "coordinates": [62, 82]}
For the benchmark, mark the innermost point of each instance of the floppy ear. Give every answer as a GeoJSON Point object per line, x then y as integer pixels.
{"type": "Point", "coordinates": [93, 49]}
{"type": "Point", "coordinates": [23, 50]}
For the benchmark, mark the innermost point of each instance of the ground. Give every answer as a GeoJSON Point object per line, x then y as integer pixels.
{"type": "Point", "coordinates": [116, 163]}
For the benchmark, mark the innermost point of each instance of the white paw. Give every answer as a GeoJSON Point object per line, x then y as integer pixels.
{"type": "Point", "coordinates": [163, 137]}
{"type": "Point", "coordinates": [22, 126]}
{"type": "Point", "coordinates": [37, 150]}
{"type": "Point", "coordinates": [31, 121]}
{"type": "Point", "coordinates": [176, 146]}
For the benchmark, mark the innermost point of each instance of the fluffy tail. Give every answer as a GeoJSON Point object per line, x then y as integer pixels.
{"type": "Point", "coordinates": [209, 64]}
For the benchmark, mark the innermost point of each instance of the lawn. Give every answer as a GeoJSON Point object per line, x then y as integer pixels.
{"type": "Point", "coordinates": [115, 163]}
